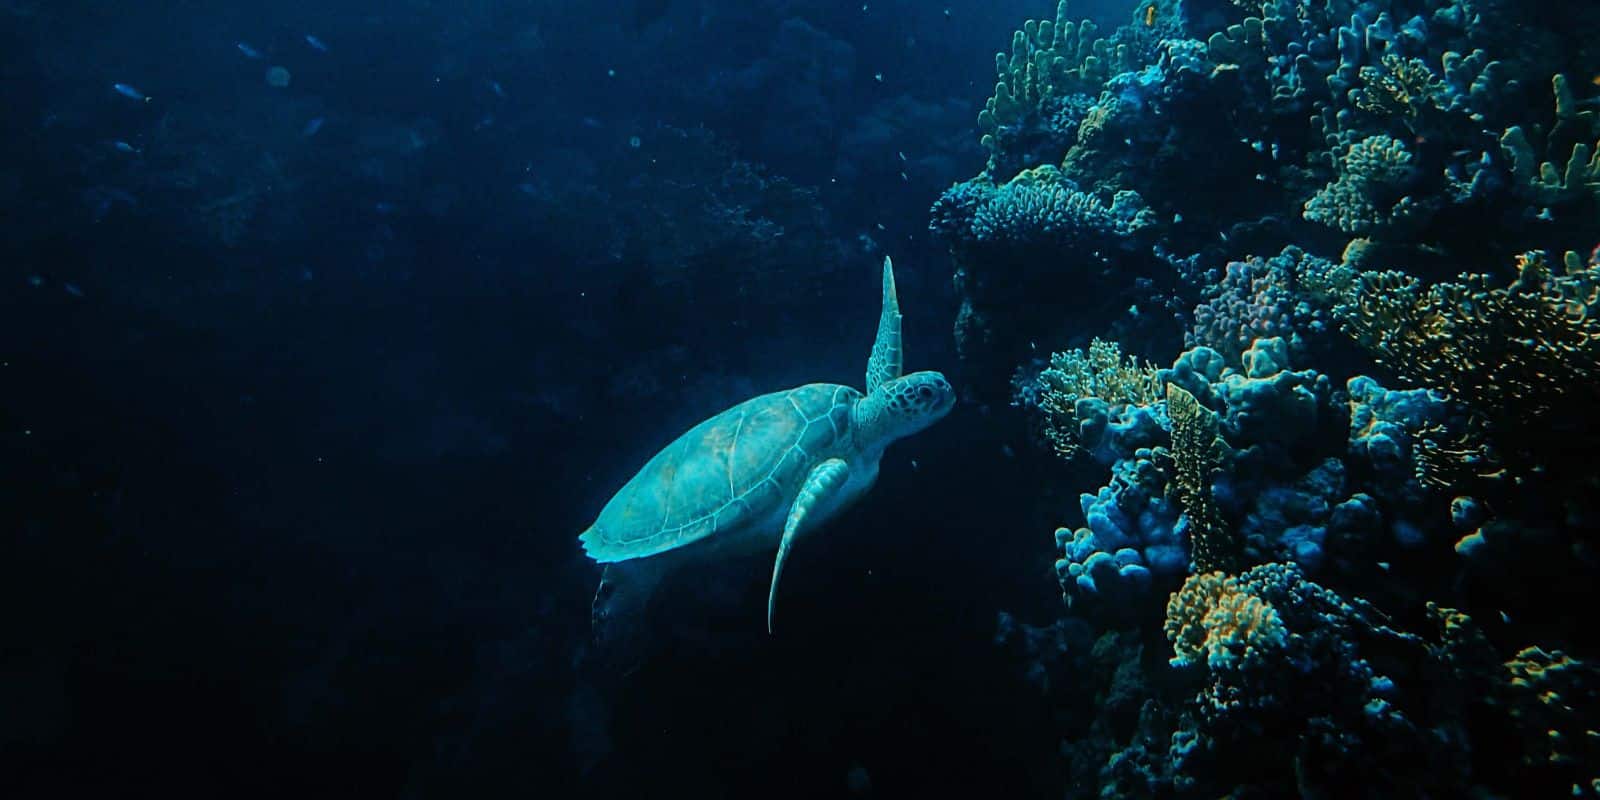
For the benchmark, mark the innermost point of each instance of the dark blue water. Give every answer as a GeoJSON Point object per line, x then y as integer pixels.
{"type": "Point", "coordinates": [325, 328]}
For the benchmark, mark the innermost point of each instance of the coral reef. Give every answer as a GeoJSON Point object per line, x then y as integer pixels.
{"type": "Point", "coordinates": [1378, 407]}
{"type": "Point", "coordinates": [1526, 357]}
{"type": "Point", "coordinates": [1196, 449]}
{"type": "Point", "coordinates": [1213, 621]}
{"type": "Point", "coordinates": [1100, 375]}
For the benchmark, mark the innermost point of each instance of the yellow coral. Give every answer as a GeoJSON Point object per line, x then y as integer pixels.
{"type": "Point", "coordinates": [1524, 350]}
{"type": "Point", "coordinates": [1557, 181]}
{"type": "Point", "coordinates": [1196, 449]}
{"type": "Point", "coordinates": [1525, 359]}
{"type": "Point", "coordinates": [1553, 694]}
{"type": "Point", "coordinates": [1048, 59]}
{"type": "Point", "coordinates": [1403, 88]}
{"type": "Point", "coordinates": [1214, 617]}
{"type": "Point", "coordinates": [1101, 372]}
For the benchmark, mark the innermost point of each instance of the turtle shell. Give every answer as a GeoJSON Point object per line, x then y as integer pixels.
{"type": "Point", "coordinates": [730, 471]}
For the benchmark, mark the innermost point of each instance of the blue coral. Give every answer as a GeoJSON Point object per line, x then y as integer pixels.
{"type": "Point", "coordinates": [1385, 428]}
{"type": "Point", "coordinates": [1268, 402]}
{"type": "Point", "coordinates": [1294, 520]}
{"type": "Point", "coordinates": [1132, 536]}
{"type": "Point", "coordinates": [1108, 432]}
{"type": "Point", "coordinates": [1291, 496]}
{"type": "Point", "coordinates": [1042, 206]}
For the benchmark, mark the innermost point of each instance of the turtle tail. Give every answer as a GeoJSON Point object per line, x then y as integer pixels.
{"type": "Point", "coordinates": [619, 619]}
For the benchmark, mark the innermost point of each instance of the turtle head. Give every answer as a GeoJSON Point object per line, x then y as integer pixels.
{"type": "Point", "coordinates": [907, 404]}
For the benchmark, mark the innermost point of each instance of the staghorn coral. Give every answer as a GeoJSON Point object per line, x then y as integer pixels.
{"type": "Point", "coordinates": [1196, 448]}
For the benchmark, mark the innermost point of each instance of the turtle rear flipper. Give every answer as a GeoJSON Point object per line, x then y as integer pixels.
{"type": "Point", "coordinates": [619, 626]}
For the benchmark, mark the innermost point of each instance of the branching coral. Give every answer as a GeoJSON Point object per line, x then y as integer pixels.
{"type": "Point", "coordinates": [1212, 620]}
{"type": "Point", "coordinates": [1042, 206]}
{"type": "Point", "coordinates": [1547, 699]}
{"type": "Point", "coordinates": [1100, 373]}
{"type": "Point", "coordinates": [1049, 62]}
{"type": "Point", "coordinates": [1369, 193]}
{"type": "Point", "coordinates": [1554, 697]}
{"type": "Point", "coordinates": [1552, 183]}
{"type": "Point", "coordinates": [1526, 356]}
{"type": "Point", "coordinates": [1258, 298]}
{"type": "Point", "coordinates": [1404, 88]}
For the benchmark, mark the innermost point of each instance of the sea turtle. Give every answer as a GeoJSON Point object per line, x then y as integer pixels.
{"type": "Point", "coordinates": [759, 474]}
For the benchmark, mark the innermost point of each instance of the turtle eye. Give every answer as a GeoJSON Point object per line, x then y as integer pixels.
{"type": "Point", "coordinates": [924, 393]}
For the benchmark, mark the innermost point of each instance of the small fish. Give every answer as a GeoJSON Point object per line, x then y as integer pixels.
{"type": "Point", "coordinates": [878, 77]}
{"type": "Point", "coordinates": [1006, 451]}
{"type": "Point", "coordinates": [495, 87]}
{"type": "Point", "coordinates": [1150, 15]}
{"type": "Point", "coordinates": [1383, 565]}
{"type": "Point", "coordinates": [486, 121]}
{"type": "Point", "coordinates": [72, 289]}
{"type": "Point", "coordinates": [316, 44]}
{"type": "Point", "coordinates": [249, 52]}
{"type": "Point", "coordinates": [129, 92]}
{"type": "Point", "coordinates": [914, 464]}
{"type": "Point", "coordinates": [1506, 618]}
{"type": "Point", "coordinates": [312, 127]}
{"type": "Point", "coordinates": [124, 147]}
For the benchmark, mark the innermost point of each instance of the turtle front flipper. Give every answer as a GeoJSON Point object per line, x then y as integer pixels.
{"type": "Point", "coordinates": [819, 495]}
{"type": "Point", "coordinates": [884, 365]}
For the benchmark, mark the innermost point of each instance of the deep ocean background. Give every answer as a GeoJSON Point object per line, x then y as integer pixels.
{"type": "Point", "coordinates": [300, 421]}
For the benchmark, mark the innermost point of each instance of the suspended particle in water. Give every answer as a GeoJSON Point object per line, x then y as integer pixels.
{"type": "Point", "coordinates": [129, 92]}
{"type": "Point", "coordinates": [278, 77]}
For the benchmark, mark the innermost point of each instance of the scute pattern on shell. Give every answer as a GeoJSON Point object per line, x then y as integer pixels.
{"type": "Point", "coordinates": [733, 468]}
